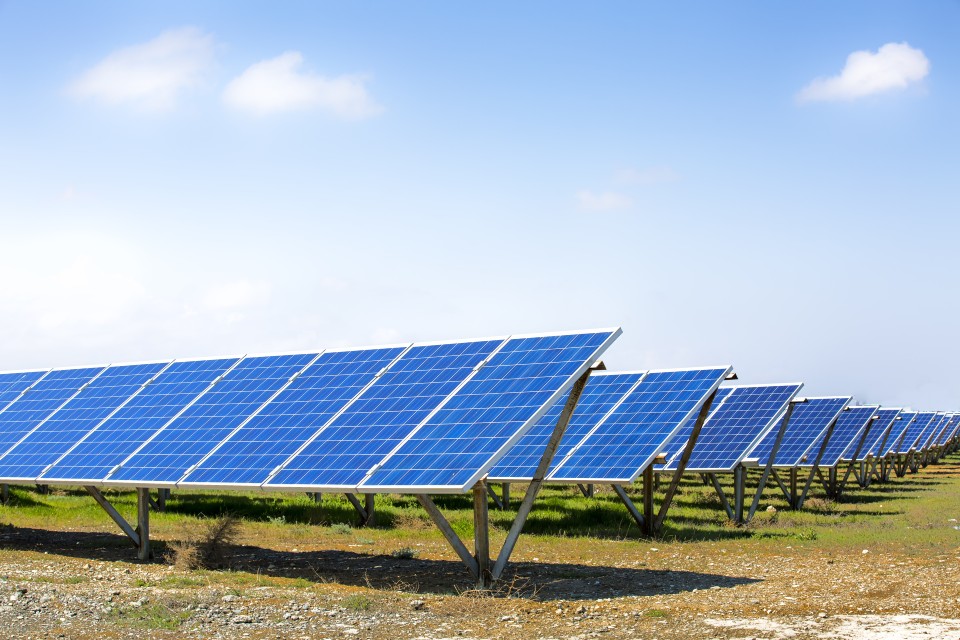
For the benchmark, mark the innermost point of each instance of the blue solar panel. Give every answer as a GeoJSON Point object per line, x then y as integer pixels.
{"type": "Point", "coordinates": [846, 436]}
{"type": "Point", "coordinates": [507, 396]}
{"type": "Point", "coordinates": [121, 434]}
{"type": "Point", "coordinates": [808, 425]}
{"type": "Point", "coordinates": [898, 431]}
{"type": "Point", "coordinates": [632, 435]}
{"type": "Point", "coordinates": [204, 424]}
{"type": "Point", "coordinates": [290, 419]}
{"type": "Point", "coordinates": [603, 391]}
{"type": "Point", "coordinates": [83, 412]}
{"type": "Point", "coordinates": [880, 432]}
{"type": "Point", "coordinates": [39, 401]}
{"type": "Point", "coordinates": [387, 412]}
{"type": "Point", "coordinates": [954, 430]}
{"type": "Point", "coordinates": [738, 423]}
{"type": "Point", "coordinates": [928, 439]}
{"type": "Point", "coordinates": [14, 384]}
{"type": "Point", "coordinates": [913, 433]}
{"type": "Point", "coordinates": [948, 429]}
{"type": "Point", "coordinates": [678, 441]}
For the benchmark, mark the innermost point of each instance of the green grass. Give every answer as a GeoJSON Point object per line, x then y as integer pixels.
{"type": "Point", "coordinates": [153, 616]}
{"type": "Point", "coordinates": [919, 504]}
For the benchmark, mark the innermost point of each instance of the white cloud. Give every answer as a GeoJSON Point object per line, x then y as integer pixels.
{"type": "Point", "coordinates": [894, 66]}
{"type": "Point", "coordinates": [238, 294]}
{"type": "Point", "coordinates": [279, 85]}
{"type": "Point", "coordinates": [606, 201]}
{"type": "Point", "coordinates": [151, 75]}
{"type": "Point", "coordinates": [648, 176]}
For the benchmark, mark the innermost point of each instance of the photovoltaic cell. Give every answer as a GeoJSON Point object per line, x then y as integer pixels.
{"type": "Point", "coordinates": [631, 436]}
{"type": "Point", "coordinates": [880, 433]}
{"type": "Point", "coordinates": [479, 423]}
{"type": "Point", "coordinates": [944, 436]}
{"type": "Point", "coordinates": [387, 412]}
{"type": "Point", "coordinates": [914, 431]}
{"type": "Point", "coordinates": [205, 423]}
{"type": "Point", "coordinates": [92, 459]}
{"type": "Point", "coordinates": [603, 391]}
{"type": "Point", "coordinates": [13, 384]}
{"type": "Point", "coordinates": [927, 440]}
{"type": "Point", "coordinates": [84, 411]}
{"type": "Point", "coordinates": [808, 424]}
{"type": "Point", "coordinates": [846, 436]}
{"type": "Point", "coordinates": [898, 431]}
{"type": "Point", "coordinates": [678, 441]}
{"type": "Point", "coordinates": [744, 416]}
{"type": "Point", "coordinates": [290, 419]}
{"type": "Point", "coordinates": [39, 401]}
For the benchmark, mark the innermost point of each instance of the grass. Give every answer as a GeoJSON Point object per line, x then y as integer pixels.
{"type": "Point", "coordinates": [919, 504]}
{"type": "Point", "coordinates": [154, 616]}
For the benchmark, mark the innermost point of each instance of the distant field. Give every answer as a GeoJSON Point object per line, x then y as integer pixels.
{"type": "Point", "coordinates": [892, 549]}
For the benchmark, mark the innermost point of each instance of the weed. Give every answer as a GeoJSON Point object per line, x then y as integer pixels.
{"type": "Point", "coordinates": [206, 548]}
{"type": "Point", "coordinates": [357, 603]}
{"type": "Point", "coordinates": [152, 616]}
{"type": "Point", "coordinates": [654, 613]}
{"type": "Point", "coordinates": [341, 528]}
{"type": "Point", "coordinates": [404, 553]}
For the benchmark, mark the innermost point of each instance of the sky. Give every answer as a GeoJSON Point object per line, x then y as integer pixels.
{"type": "Point", "coordinates": [768, 185]}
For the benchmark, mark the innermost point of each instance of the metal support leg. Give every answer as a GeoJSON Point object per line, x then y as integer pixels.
{"type": "Point", "coordinates": [365, 510]}
{"type": "Point", "coordinates": [449, 534]}
{"type": "Point", "coordinates": [832, 482]}
{"type": "Point", "coordinates": [115, 515]}
{"type": "Point", "coordinates": [505, 494]}
{"type": "Point", "coordinates": [739, 482]}
{"type": "Point", "coordinates": [481, 534]}
{"type": "Point", "coordinates": [631, 508]}
{"type": "Point", "coordinates": [723, 496]}
{"type": "Point", "coordinates": [794, 497]}
{"type": "Point", "coordinates": [766, 470]}
{"type": "Point", "coordinates": [534, 487]}
{"type": "Point", "coordinates": [493, 496]}
{"type": "Point", "coordinates": [4, 493]}
{"type": "Point", "coordinates": [143, 524]}
{"type": "Point", "coordinates": [648, 515]}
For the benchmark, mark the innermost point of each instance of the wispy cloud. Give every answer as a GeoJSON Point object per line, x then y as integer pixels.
{"type": "Point", "coordinates": [281, 85]}
{"type": "Point", "coordinates": [646, 177]}
{"type": "Point", "coordinates": [605, 201]}
{"type": "Point", "coordinates": [152, 75]}
{"type": "Point", "coordinates": [895, 66]}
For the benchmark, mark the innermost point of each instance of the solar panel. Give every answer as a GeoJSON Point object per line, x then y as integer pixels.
{"type": "Point", "coordinates": [94, 402]}
{"type": "Point", "coordinates": [102, 450]}
{"type": "Point", "coordinates": [628, 439]}
{"type": "Point", "coordinates": [39, 401]}
{"type": "Point", "coordinates": [678, 441]}
{"type": "Point", "coordinates": [289, 420]}
{"type": "Point", "coordinates": [944, 436]}
{"type": "Point", "coordinates": [341, 454]}
{"type": "Point", "coordinates": [914, 431]}
{"type": "Point", "coordinates": [604, 390]}
{"type": "Point", "coordinates": [738, 423]}
{"type": "Point", "coordinates": [929, 438]}
{"type": "Point", "coordinates": [186, 439]}
{"type": "Point", "coordinates": [14, 383]}
{"type": "Point", "coordinates": [898, 431]}
{"type": "Point", "coordinates": [846, 436]}
{"type": "Point", "coordinates": [808, 424]}
{"type": "Point", "coordinates": [459, 443]}
{"type": "Point", "coordinates": [880, 432]}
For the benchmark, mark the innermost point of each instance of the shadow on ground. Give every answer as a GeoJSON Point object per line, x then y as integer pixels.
{"type": "Point", "coordinates": [541, 581]}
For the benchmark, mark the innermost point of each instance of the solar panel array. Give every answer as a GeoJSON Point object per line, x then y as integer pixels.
{"type": "Point", "coordinates": [881, 432]}
{"type": "Point", "coordinates": [847, 436]}
{"type": "Point", "coordinates": [808, 424]}
{"type": "Point", "coordinates": [898, 431]}
{"type": "Point", "coordinates": [741, 420]}
{"type": "Point", "coordinates": [428, 416]}
{"type": "Point", "coordinates": [620, 425]}
{"type": "Point", "coordinates": [915, 432]}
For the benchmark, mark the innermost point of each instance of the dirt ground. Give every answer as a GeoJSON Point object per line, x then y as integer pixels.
{"type": "Point", "coordinates": [84, 584]}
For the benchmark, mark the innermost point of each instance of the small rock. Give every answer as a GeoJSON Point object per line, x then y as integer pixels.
{"type": "Point", "coordinates": [416, 605]}
{"type": "Point", "coordinates": [821, 615]}
{"type": "Point", "coordinates": [771, 509]}
{"type": "Point", "coordinates": [241, 620]}
{"type": "Point", "coordinates": [230, 598]}
{"type": "Point", "coordinates": [865, 551]}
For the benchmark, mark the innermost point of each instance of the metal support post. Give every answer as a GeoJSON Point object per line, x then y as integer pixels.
{"type": "Point", "coordinates": [115, 515]}
{"type": "Point", "coordinates": [739, 492]}
{"type": "Point", "coordinates": [648, 488]}
{"type": "Point", "coordinates": [794, 472]}
{"type": "Point", "coordinates": [481, 534]}
{"type": "Point", "coordinates": [534, 487]}
{"type": "Point", "coordinates": [631, 508]}
{"type": "Point", "coordinates": [505, 494]}
{"type": "Point", "coordinates": [493, 496]}
{"type": "Point", "coordinates": [449, 534]}
{"type": "Point", "coordinates": [143, 524]}
{"type": "Point", "coordinates": [741, 485]}
{"type": "Point", "coordinates": [4, 493]}
{"type": "Point", "coordinates": [723, 496]}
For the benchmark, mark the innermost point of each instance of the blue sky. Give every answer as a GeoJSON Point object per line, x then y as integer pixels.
{"type": "Point", "coordinates": [727, 183]}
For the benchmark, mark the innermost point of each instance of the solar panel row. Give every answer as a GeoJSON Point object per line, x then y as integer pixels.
{"type": "Point", "coordinates": [424, 416]}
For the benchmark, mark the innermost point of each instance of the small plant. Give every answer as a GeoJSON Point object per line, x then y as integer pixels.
{"type": "Point", "coordinates": [205, 549]}
{"type": "Point", "coordinates": [654, 613]}
{"type": "Point", "coordinates": [806, 534]}
{"type": "Point", "coordinates": [404, 553]}
{"type": "Point", "coordinates": [341, 528]}
{"type": "Point", "coordinates": [357, 603]}
{"type": "Point", "coordinates": [281, 519]}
